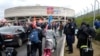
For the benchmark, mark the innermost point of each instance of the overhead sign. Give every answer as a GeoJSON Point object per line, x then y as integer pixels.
{"type": "Point", "coordinates": [50, 10]}
{"type": "Point", "coordinates": [57, 11]}
{"type": "Point", "coordinates": [50, 19]}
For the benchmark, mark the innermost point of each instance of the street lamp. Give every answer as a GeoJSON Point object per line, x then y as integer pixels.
{"type": "Point", "coordinates": [94, 13]}
{"type": "Point", "coordinates": [98, 5]}
{"type": "Point", "coordinates": [92, 7]}
{"type": "Point", "coordinates": [87, 10]}
{"type": "Point", "coordinates": [81, 14]}
{"type": "Point", "coordinates": [84, 12]}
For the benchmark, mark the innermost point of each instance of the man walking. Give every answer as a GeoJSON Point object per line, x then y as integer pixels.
{"type": "Point", "coordinates": [36, 38]}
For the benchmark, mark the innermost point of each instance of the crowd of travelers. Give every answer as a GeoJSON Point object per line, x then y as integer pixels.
{"type": "Point", "coordinates": [37, 31]}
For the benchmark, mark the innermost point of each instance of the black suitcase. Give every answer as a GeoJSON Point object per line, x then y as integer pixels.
{"type": "Point", "coordinates": [86, 51]}
{"type": "Point", "coordinates": [10, 51]}
{"type": "Point", "coordinates": [29, 48]}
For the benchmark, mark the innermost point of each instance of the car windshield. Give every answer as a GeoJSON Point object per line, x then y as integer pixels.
{"type": "Point", "coordinates": [11, 29]}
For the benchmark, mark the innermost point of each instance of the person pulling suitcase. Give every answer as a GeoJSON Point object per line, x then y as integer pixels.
{"type": "Point", "coordinates": [85, 50]}
{"type": "Point", "coordinates": [35, 38]}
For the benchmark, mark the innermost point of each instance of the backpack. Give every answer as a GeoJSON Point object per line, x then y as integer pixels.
{"type": "Point", "coordinates": [82, 32]}
{"type": "Point", "coordinates": [92, 32]}
{"type": "Point", "coordinates": [34, 36]}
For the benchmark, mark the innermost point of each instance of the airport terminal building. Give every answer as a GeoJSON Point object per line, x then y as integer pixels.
{"type": "Point", "coordinates": [27, 13]}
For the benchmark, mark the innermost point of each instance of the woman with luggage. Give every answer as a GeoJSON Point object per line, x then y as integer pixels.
{"type": "Point", "coordinates": [50, 42]}
{"type": "Point", "coordinates": [84, 35]}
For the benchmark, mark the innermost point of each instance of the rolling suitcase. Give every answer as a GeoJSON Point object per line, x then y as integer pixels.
{"type": "Point", "coordinates": [29, 46]}
{"type": "Point", "coordinates": [85, 50]}
{"type": "Point", "coordinates": [10, 51]}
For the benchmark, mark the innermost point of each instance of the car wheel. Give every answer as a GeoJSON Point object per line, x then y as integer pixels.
{"type": "Point", "coordinates": [20, 42]}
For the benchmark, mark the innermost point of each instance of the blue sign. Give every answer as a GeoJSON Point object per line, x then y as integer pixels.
{"type": "Point", "coordinates": [57, 11]}
{"type": "Point", "coordinates": [50, 19]}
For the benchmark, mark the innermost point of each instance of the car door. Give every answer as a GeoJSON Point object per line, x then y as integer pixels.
{"type": "Point", "coordinates": [22, 33]}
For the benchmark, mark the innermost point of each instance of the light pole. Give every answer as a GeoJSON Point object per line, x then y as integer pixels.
{"type": "Point", "coordinates": [94, 13]}
{"type": "Point", "coordinates": [98, 5]}
{"type": "Point", "coordinates": [87, 11]}
{"type": "Point", "coordinates": [92, 8]}
{"type": "Point", "coordinates": [81, 13]}
{"type": "Point", "coordinates": [84, 12]}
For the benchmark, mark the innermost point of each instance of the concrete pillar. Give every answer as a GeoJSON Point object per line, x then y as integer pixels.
{"type": "Point", "coordinates": [65, 18]}
{"type": "Point", "coordinates": [45, 19]}
{"type": "Point", "coordinates": [16, 19]}
{"type": "Point", "coordinates": [58, 18]}
{"type": "Point", "coordinates": [28, 19]}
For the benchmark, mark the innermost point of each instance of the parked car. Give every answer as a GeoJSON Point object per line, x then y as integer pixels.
{"type": "Point", "coordinates": [13, 35]}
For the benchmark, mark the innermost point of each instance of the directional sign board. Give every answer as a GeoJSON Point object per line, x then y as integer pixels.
{"type": "Point", "coordinates": [50, 19]}
{"type": "Point", "coordinates": [50, 10]}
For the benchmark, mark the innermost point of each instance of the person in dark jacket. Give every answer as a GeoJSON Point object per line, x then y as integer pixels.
{"type": "Point", "coordinates": [85, 33]}
{"type": "Point", "coordinates": [69, 32]}
{"type": "Point", "coordinates": [81, 35]}
{"type": "Point", "coordinates": [1, 45]}
{"type": "Point", "coordinates": [97, 24]}
{"type": "Point", "coordinates": [92, 33]}
{"type": "Point", "coordinates": [38, 46]}
{"type": "Point", "coordinates": [74, 27]}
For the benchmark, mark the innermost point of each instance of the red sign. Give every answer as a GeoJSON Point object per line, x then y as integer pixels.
{"type": "Point", "coordinates": [50, 10]}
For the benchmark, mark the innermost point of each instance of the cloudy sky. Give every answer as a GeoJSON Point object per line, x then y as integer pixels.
{"type": "Point", "coordinates": [77, 5]}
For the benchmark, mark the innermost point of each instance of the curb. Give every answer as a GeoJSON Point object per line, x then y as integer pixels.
{"type": "Point", "coordinates": [63, 46]}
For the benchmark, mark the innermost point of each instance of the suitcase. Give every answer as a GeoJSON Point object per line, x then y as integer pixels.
{"type": "Point", "coordinates": [47, 52]}
{"type": "Point", "coordinates": [29, 46]}
{"type": "Point", "coordinates": [86, 51]}
{"type": "Point", "coordinates": [10, 51]}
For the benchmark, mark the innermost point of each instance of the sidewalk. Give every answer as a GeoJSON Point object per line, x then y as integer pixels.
{"type": "Point", "coordinates": [76, 51]}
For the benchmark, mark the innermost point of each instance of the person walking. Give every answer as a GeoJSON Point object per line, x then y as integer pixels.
{"type": "Point", "coordinates": [60, 29]}
{"type": "Point", "coordinates": [68, 31]}
{"type": "Point", "coordinates": [85, 32]}
{"type": "Point", "coordinates": [35, 37]}
{"type": "Point", "coordinates": [82, 34]}
{"type": "Point", "coordinates": [50, 43]}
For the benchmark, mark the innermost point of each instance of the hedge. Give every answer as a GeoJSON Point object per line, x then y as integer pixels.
{"type": "Point", "coordinates": [89, 20]}
{"type": "Point", "coordinates": [98, 35]}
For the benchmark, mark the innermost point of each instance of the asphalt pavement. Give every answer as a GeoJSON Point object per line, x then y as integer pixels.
{"type": "Point", "coordinates": [22, 51]}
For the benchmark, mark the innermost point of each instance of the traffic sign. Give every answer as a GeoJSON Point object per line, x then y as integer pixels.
{"type": "Point", "coordinates": [50, 10]}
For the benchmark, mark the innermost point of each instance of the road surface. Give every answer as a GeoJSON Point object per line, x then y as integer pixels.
{"type": "Point", "coordinates": [22, 51]}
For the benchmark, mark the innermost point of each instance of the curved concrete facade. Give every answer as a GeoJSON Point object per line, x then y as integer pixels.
{"type": "Point", "coordinates": [24, 11]}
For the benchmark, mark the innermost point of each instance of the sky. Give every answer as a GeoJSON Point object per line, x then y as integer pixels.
{"type": "Point", "coordinates": [78, 5]}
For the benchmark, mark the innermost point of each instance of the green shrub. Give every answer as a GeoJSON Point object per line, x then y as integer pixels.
{"type": "Point", "coordinates": [98, 17]}
{"type": "Point", "coordinates": [90, 21]}
{"type": "Point", "coordinates": [98, 35]}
